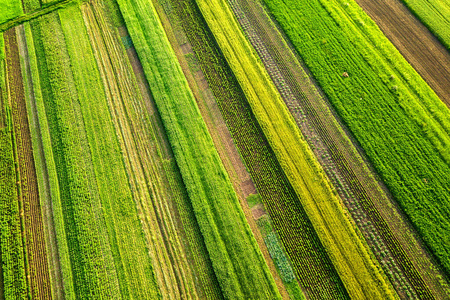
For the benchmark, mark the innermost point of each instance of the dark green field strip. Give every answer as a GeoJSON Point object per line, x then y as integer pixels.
{"type": "Point", "coordinates": [238, 263]}
{"type": "Point", "coordinates": [313, 267]}
{"type": "Point", "coordinates": [400, 123]}
{"type": "Point", "coordinates": [125, 237]}
{"type": "Point", "coordinates": [434, 14]}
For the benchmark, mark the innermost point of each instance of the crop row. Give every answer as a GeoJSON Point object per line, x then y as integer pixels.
{"type": "Point", "coordinates": [237, 261]}
{"type": "Point", "coordinates": [36, 257]}
{"type": "Point", "coordinates": [84, 229]}
{"type": "Point", "coordinates": [382, 91]}
{"type": "Point", "coordinates": [311, 262]}
{"type": "Point", "coordinates": [323, 207]}
{"type": "Point", "coordinates": [12, 250]}
{"type": "Point", "coordinates": [91, 233]}
{"type": "Point", "coordinates": [145, 157]}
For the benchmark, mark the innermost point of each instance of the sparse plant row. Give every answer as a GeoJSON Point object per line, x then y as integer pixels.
{"type": "Point", "coordinates": [143, 161]}
{"type": "Point", "coordinates": [410, 153]}
{"type": "Point", "coordinates": [320, 134]}
{"type": "Point", "coordinates": [34, 243]}
{"type": "Point", "coordinates": [434, 14]}
{"type": "Point", "coordinates": [12, 250]}
{"type": "Point", "coordinates": [313, 267]}
{"type": "Point", "coordinates": [237, 261]}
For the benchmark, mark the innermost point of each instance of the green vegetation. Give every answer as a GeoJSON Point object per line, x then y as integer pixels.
{"type": "Point", "coordinates": [131, 197]}
{"type": "Point", "coordinates": [253, 199]}
{"type": "Point", "coordinates": [345, 247]}
{"type": "Point", "coordinates": [47, 178]}
{"type": "Point", "coordinates": [10, 9]}
{"type": "Point", "coordinates": [435, 14]}
{"type": "Point", "coordinates": [235, 256]}
{"type": "Point", "coordinates": [122, 224]}
{"type": "Point", "coordinates": [11, 244]}
{"type": "Point", "coordinates": [96, 216]}
{"type": "Point", "coordinates": [307, 254]}
{"type": "Point", "coordinates": [411, 152]}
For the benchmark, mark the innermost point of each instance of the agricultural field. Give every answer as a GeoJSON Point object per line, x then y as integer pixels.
{"type": "Point", "coordinates": [224, 149]}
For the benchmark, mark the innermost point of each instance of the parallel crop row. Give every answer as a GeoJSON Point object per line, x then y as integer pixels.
{"type": "Point", "coordinates": [237, 261]}
{"type": "Point", "coordinates": [33, 234]}
{"type": "Point", "coordinates": [398, 120]}
{"type": "Point", "coordinates": [311, 263]}
{"type": "Point", "coordinates": [157, 188]}
{"type": "Point", "coordinates": [11, 245]}
{"type": "Point", "coordinates": [345, 168]}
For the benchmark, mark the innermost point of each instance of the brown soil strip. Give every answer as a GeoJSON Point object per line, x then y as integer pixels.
{"type": "Point", "coordinates": [414, 41]}
{"type": "Point", "coordinates": [37, 265]}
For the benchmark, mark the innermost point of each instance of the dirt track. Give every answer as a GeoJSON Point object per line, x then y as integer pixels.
{"type": "Point", "coordinates": [414, 41]}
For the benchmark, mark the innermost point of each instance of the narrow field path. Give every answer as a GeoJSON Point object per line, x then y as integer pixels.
{"type": "Point", "coordinates": [414, 41]}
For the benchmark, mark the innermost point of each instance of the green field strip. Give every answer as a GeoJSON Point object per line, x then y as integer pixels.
{"type": "Point", "coordinates": [236, 258]}
{"type": "Point", "coordinates": [91, 258]}
{"type": "Point", "coordinates": [411, 151]}
{"type": "Point", "coordinates": [57, 247]}
{"type": "Point", "coordinates": [36, 264]}
{"type": "Point", "coordinates": [10, 9]}
{"type": "Point", "coordinates": [329, 218]}
{"type": "Point", "coordinates": [435, 15]}
{"type": "Point", "coordinates": [311, 263]}
{"type": "Point", "coordinates": [132, 262]}
{"type": "Point", "coordinates": [144, 163]}
{"type": "Point", "coordinates": [16, 284]}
